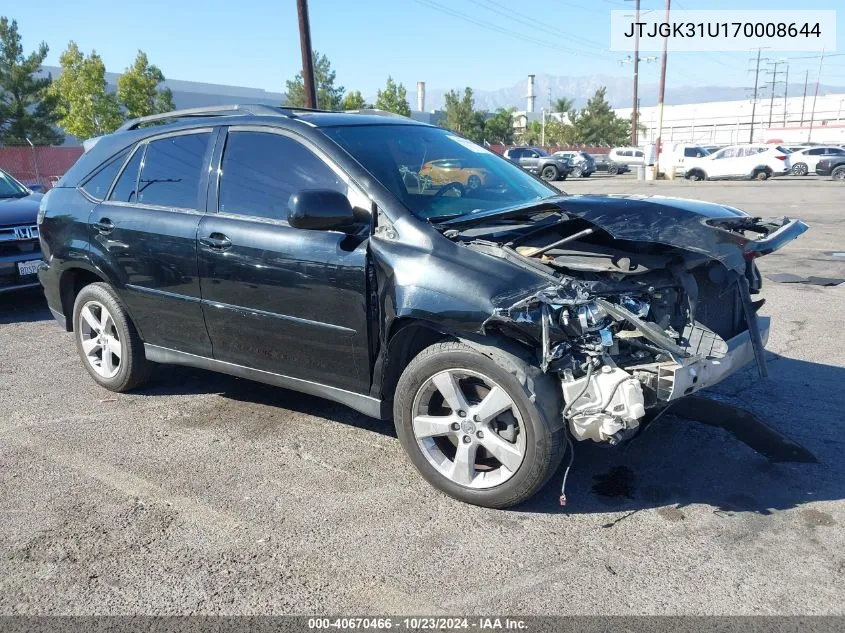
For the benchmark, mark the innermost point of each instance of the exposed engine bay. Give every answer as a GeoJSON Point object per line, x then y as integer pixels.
{"type": "Point", "coordinates": [630, 325]}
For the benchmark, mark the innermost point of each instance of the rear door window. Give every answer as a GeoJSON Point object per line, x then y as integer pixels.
{"type": "Point", "coordinates": [172, 171]}
{"type": "Point", "coordinates": [97, 186]}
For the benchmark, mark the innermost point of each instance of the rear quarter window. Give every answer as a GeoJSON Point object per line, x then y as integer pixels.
{"type": "Point", "coordinates": [98, 184]}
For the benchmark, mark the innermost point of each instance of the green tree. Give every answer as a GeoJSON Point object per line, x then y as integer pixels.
{"type": "Point", "coordinates": [329, 96]}
{"type": "Point", "coordinates": [353, 101]}
{"type": "Point", "coordinates": [26, 110]}
{"type": "Point", "coordinates": [499, 127]}
{"type": "Point", "coordinates": [138, 91]}
{"type": "Point", "coordinates": [559, 133]}
{"type": "Point", "coordinates": [84, 106]}
{"type": "Point", "coordinates": [394, 98]}
{"type": "Point", "coordinates": [461, 116]}
{"type": "Point", "coordinates": [533, 133]}
{"type": "Point", "coordinates": [597, 124]}
{"type": "Point", "coordinates": [563, 104]}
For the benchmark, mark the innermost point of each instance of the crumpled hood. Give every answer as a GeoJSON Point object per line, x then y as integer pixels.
{"type": "Point", "coordinates": [691, 225]}
{"type": "Point", "coordinates": [19, 211]}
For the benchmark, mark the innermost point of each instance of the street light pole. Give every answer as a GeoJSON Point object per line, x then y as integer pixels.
{"type": "Point", "coordinates": [661, 93]}
{"type": "Point", "coordinates": [815, 96]}
{"type": "Point", "coordinates": [635, 113]}
{"type": "Point", "coordinates": [307, 59]}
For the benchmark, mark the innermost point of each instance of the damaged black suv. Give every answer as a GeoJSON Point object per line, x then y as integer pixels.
{"type": "Point", "coordinates": [313, 251]}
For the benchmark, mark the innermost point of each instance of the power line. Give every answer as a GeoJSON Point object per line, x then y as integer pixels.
{"type": "Point", "coordinates": [497, 29]}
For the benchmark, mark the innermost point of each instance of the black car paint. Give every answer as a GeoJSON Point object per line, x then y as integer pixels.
{"type": "Point", "coordinates": [826, 166]}
{"type": "Point", "coordinates": [18, 212]}
{"type": "Point", "coordinates": [319, 311]}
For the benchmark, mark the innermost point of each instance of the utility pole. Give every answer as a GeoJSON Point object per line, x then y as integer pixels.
{"type": "Point", "coordinates": [307, 59]}
{"type": "Point", "coordinates": [804, 100]}
{"type": "Point", "coordinates": [754, 99]}
{"type": "Point", "coordinates": [661, 93]}
{"type": "Point", "coordinates": [635, 113]}
{"type": "Point", "coordinates": [815, 96]}
{"type": "Point", "coordinates": [774, 82]}
{"type": "Point", "coordinates": [785, 92]}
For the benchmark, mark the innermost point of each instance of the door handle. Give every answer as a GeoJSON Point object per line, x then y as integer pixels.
{"type": "Point", "coordinates": [104, 226]}
{"type": "Point", "coordinates": [216, 241]}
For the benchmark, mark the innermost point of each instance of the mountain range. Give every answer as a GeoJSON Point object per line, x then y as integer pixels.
{"type": "Point", "coordinates": [619, 93]}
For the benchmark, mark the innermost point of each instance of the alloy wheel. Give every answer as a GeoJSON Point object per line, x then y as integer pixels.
{"type": "Point", "coordinates": [101, 344]}
{"type": "Point", "coordinates": [468, 428]}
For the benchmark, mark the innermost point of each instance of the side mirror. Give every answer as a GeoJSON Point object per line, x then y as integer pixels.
{"type": "Point", "coordinates": [320, 209]}
{"type": "Point", "coordinates": [36, 188]}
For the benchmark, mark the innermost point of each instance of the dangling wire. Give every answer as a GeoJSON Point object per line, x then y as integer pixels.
{"type": "Point", "coordinates": [570, 447]}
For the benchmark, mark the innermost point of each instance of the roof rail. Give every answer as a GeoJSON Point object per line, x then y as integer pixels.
{"type": "Point", "coordinates": [377, 112]}
{"type": "Point", "coordinates": [222, 110]}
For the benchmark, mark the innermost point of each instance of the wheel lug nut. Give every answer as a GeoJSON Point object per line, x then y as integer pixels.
{"type": "Point", "coordinates": [467, 439]}
{"type": "Point", "coordinates": [476, 418]}
{"type": "Point", "coordinates": [462, 414]}
{"type": "Point", "coordinates": [455, 426]}
{"type": "Point", "coordinates": [479, 434]}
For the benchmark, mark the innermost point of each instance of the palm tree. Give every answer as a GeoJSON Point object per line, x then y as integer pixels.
{"type": "Point", "coordinates": [563, 105]}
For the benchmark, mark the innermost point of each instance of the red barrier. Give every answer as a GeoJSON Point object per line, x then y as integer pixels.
{"type": "Point", "coordinates": [42, 165]}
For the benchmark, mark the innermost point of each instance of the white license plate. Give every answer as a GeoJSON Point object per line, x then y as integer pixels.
{"type": "Point", "coordinates": [28, 268]}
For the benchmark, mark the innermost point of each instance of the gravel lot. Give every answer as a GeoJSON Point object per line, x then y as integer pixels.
{"type": "Point", "coordinates": [209, 494]}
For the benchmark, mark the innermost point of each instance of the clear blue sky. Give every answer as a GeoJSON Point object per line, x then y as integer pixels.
{"type": "Point", "coordinates": [485, 44]}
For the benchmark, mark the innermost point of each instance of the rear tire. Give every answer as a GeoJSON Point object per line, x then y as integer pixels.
{"type": "Point", "coordinates": [441, 441]}
{"type": "Point", "coordinates": [838, 174]}
{"type": "Point", "coordinates": [576, 172]}
{"type": "Point", "coordinates": [549, 173]}
{"type": "Point", "coordinates": [473, 182]}
{"type": "Point", "coordinates": [761, 175]}
{"type": "Point", "coordinates": [613, 170]}
{"type": "Point", "coordinates": [107, 341]}
{"type": "Point", "coordinates": [695, 175]}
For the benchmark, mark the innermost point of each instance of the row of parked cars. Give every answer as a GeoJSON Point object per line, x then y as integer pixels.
{"type": "Point", "coordinates": [562, 164]}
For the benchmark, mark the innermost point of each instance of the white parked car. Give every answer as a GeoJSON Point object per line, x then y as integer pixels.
{"type": "Point", "coordinates": [627, 155]}
{"type": "Point", "coordinates": [676, 156]}
{"type": "Point", "coordinates": [738, 162]}
{"type": "Point", "coordinates": [804, 161]}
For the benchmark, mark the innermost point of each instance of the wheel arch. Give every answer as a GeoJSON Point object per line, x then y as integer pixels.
{"type": "Point", "coordinates": [72, 280]}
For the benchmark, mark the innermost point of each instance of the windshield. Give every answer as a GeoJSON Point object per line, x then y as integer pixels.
{"type": "Point", "coordinates": [435, 173]}
{"type": "Point", "coordinates": [11, 188]}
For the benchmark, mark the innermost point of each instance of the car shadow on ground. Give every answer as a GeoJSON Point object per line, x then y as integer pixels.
{"type": "Point", "coordinates": [676, 462]}
{"type": "Point", "coordinates": [176, 380]}
{"type": "Point", "coordinates": [23, 306]}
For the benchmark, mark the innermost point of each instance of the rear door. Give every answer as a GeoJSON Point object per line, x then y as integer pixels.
{"type": "Point", "coordinates": [276, 298]}
{"type": "Point", "coordinates": [530, 161]}
{"type": "Point", "coordinates": [145, 232]}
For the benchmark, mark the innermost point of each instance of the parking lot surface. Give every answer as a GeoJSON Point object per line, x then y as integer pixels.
{"type": "Point", "coordinates": [209, 494]}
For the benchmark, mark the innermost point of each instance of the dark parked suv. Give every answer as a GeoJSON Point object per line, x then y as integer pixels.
{"type": "Point", "coordinates": [20, 253]}
{"type": "Point", "coordinates": [539, 162]}
{"type": "Point", "coordinates": [303, 249]}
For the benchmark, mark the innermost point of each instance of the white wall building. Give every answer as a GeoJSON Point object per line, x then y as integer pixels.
{"type": "Point", "coordinates": [728, 122]}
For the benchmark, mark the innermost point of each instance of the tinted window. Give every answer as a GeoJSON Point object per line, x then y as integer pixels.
{"type": "Point", "coordinates": [626, 152]}
{"type": "Point", "coordinates": [835, 151]}
{"type": "Point", "coordinates": [97, 186]}
{"type": "Point", "coordinates": [261, 171]}
{"type": "Point", "coordinates": [639, 154]}
{"type": "Point", "coordinates": [818, 151]}
{"type": "Point", "coordinates": [172, 169]}
{"type": "Point", "coordinates": [125, 187]}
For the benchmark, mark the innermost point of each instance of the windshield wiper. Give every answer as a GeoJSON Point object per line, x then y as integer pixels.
{"type": "Point", "coordinates": [468, 219]}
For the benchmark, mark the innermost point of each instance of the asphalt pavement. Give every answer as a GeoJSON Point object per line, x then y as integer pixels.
{"type": "Point", "coordinates": [205, 494]}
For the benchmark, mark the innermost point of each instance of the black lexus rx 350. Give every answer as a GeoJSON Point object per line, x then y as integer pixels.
{"type": "Point", "coordinates": [493, 324]}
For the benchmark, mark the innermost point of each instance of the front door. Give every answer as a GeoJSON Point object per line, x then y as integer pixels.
{"type": "Point", "coordinates": [275, 298]}
{"type": "Point", "coordinates": [145, 234]}
{"type": "Point", "coordinates": [530, 161]}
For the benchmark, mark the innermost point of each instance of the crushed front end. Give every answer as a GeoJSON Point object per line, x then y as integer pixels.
{"type": "Point", "coordinates": [632, 318]}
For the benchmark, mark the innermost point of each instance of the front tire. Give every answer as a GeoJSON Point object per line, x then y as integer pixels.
{"type": "Point", "coordinates": [473, 182]}
{"type": "Point", "coordinates": [695, 176]}
{"type": "Point", "coordinates": [107, 341]}
{"type": "Point", "coordinates": [838, 174]}
{"type": "Point", "coordinates": [576, 172]}
{"type": "Point", "coordinates": [472, 428]}
{"type": "Point", "coordinates": [613, 170]}
{"type": "Point", "coordinates": [761, 175]}
{"type": "Point", "coordinates": [549, 173]}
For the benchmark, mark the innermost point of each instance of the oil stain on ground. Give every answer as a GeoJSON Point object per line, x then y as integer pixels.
{"type": "Point", "coordinates": [816, 518]}
{"type": "Point", "coordinates": [616, 483]}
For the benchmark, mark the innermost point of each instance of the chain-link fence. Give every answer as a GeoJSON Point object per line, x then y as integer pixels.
{"type": "Point", "coordinates": [38, 165]}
